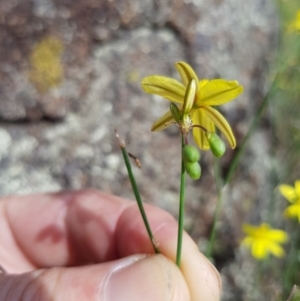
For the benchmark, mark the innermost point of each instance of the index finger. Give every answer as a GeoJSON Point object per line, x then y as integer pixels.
{"type": "Point", "coordinates": [77, 227]}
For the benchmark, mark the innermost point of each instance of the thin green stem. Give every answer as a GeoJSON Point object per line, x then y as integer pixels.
{"type": "Point", "coordinates": [138, 197]}
{"type": "Point", "coordinates": [181, 208]}
{"type": "Point", "coordinates": [253, 125]}
{"type": "Point", "coordinates": [234, 165]}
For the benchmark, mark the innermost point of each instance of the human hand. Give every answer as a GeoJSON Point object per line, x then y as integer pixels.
{"type": "Point", "coordinates": [86, 246]}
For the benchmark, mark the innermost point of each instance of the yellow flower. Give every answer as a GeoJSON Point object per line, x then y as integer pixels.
{"type": "Point", "coordinates": [208, 93]}
{"type": "Point", "coordinates": [263, 240]}
{"type": "Point", "coordinates": [295, 24]}
{"type": "Point", "coordinates": [293, 196]}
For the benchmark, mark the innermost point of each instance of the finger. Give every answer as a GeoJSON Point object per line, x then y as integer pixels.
{"type": "Point", "coordinates": [36, 231]}
{"type": "Point", "coordinates": [201, 276]}
{"type": "Point", "coordinates": [131, 238]}
{"type": "Point", "coordinates": [103, 228]}
{"type": "Point", "coordinates": [138, 277]}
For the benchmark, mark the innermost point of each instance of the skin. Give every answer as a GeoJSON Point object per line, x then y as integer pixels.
{"type": "Point", "coordinates": [87, 245]}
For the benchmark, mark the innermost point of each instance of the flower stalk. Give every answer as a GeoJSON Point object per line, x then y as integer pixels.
{"type": "Point", "coordinates": [136, 192]}
{"type": "Point", "coordinates": [192, 109]}
{"type": "Point", "coordinates": [181, 207]}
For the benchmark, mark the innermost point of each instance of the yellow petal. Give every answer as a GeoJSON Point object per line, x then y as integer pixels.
{"type": "Point", "coordinates": [189, 97]}
{"type": "Point", "coordinates": [295, 24]}
{"type": "Point", "coordinates": [259, 249]}
{"type": "Point", "coordinates": [187, 73]}
{"type": "Point", "coordinates": [293, 211]}
{"type": "Point", "coordinates": [166, 87]}
{"type": "Point", "coordinates": [221, 123]}
{"type": "Point", "coordinates": [275, 249]}
{"type": "Point", "coordinates": [264, 228]}
{"type": "Point", "coordinates": [163, 122]}
{"type": "Point", "coordinates": [203, 82]}
{"type": "Point", "coordinates": [199, 118]}
{"type": "Point", "coordinates": [288, 192]}
{"type": "Point", "coordinates": [217, 92]}
{"type": "Point", "coordinates": [276, 235]}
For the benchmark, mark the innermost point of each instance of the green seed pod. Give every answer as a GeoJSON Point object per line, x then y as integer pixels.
{"type": "Point", "coordinates": [190, 154]}
{"type": "Point", "coordinates": [175, 112]}
{"type": "Point", "coordinates": [193, 170]}
{"type": "Point", "coordinates": [216, 144]}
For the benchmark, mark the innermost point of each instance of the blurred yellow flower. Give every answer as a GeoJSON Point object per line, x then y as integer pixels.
{"type": "Point", "coordinates": [208, 93]}
{"type": "Point", "coordinates": [295, 24]}
{"type": "Point", "coordinates": [292, 194]}
{"type": "Point", "coordinates": [263, 240]}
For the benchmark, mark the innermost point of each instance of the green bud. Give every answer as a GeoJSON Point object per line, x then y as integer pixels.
{"type": "Point", "coordinates": [175, 112]}
{"type": "Point", "coordinates": [216, 144]}
{"type": "Point", "coordinates": [193, 170]}
{"type": "Point", "coordinates": [190, 154]}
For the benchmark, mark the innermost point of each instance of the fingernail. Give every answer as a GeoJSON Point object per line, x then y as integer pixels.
{"type": "Point", "coordinates": [150, 278]}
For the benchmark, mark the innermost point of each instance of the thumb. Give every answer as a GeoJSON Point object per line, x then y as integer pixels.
{"type": "Point", "coordinates": [138, 277]}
